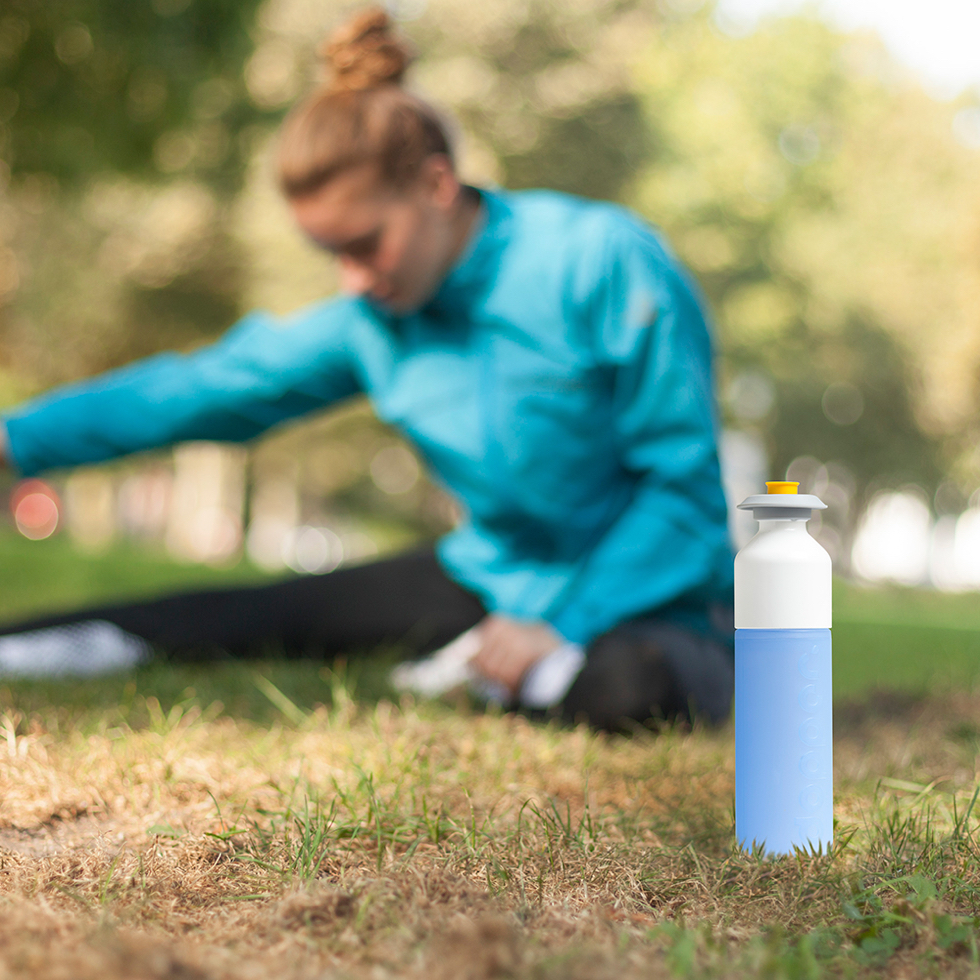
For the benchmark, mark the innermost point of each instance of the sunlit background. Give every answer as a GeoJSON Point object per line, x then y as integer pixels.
{"type": "Point", "coordinates": [816, 166]}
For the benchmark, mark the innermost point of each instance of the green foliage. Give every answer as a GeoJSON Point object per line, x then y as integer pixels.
{"type": "Point", "coordinates": [90, 86]}
{"type": "Point", "coordinates": [544, 89]}
{"type": "Point", "coordinates": [594, 153]}
{"type": "Point", "coordinates": [763, 142]}
{"type": "Point", "coordinates": [886, 445]}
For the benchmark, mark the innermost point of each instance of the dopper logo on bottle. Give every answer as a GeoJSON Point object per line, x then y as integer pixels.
{"type": "Point", "coordinates": [783, 711]}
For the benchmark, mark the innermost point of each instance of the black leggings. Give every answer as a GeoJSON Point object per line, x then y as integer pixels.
{"type": "Point", "coordinates": [407, 600]}
{"type": "Point", "coordinates": [643, 668]}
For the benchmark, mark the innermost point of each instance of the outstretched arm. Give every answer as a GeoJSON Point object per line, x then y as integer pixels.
{"type": "Point", "coordinates": [262, 372]}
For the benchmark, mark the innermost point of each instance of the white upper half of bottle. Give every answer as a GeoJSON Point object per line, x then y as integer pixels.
{"type": "Point", "coordinates": [782, 576]}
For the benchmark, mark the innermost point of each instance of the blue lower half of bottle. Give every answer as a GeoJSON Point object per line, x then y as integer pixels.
{"type": "Point", "coordinates": [784, 787]}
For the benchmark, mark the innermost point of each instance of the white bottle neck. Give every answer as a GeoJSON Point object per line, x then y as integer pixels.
{"type": "Point", "coordinates": [784, 524]}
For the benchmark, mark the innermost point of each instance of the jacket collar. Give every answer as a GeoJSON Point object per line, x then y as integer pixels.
{"type": "Point", "coordinates": [475, 270]}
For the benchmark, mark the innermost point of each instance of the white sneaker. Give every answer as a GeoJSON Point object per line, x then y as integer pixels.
{"type": "Point", "coordinates": [77, 650]}
{"type": "Point", "coordinates": [446, 669]}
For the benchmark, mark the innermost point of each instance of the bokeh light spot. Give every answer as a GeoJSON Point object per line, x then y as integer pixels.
{"type": "Point", "coordinates": [394, 470]}
{"type": "Point", "coordinates": [842, 403]}
{"type": "Point", "coordinates": [36, 509]}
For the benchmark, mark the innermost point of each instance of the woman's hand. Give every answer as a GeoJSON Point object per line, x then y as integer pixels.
{"type": "Point", "coordinates": [510, 648]}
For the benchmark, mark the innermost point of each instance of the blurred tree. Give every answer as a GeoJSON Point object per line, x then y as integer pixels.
{"type": "Point", "coordinates": [848, 397]}
{"type": "Point", "coordinates": [594, 153]}
{"type": "Point", "coordinates": [100, 102]}
{"type": "Point", "coordinates": [545, 88]}
{"type": "Point", "coordinates": [150, 87]}
{"type": "Point", "coordinates": [824, 204]}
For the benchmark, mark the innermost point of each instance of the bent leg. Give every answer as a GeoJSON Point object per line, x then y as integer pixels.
{"type": "Point", "coordinates": [406, 599]}
{"type": "Point", "coordinates": [649, 668]}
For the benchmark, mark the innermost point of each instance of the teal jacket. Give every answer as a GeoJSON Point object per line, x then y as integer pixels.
{"type": "Point", "coordinates": [559, 384]}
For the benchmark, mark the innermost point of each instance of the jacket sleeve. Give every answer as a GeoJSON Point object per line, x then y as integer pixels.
{"type": "Point", "coordinates": [262, 372]}
{"type": "Point", "coordinates": [671, 539]}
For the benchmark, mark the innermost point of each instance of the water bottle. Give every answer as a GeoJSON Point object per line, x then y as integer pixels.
{"type": "Point", "coordinates": [784, 795]}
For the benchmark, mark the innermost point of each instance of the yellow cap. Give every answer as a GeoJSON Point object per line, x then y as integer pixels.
{"type": "Point", "coordinates": [781, 486]}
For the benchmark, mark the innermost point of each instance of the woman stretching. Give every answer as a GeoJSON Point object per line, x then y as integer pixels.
{"type": "Point", "coordinates": [548, 359]}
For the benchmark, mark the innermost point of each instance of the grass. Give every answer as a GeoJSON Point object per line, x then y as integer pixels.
{"type": "Point", "coordinates": [386, 839]}
{"type": "Point", "coordinates": [288, 819]}
{"type": "Point", "coordinates": [900, 638]}
{"type": "Point", "coordinates": [42, 576]}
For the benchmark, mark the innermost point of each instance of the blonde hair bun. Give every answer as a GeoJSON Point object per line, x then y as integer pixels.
{"type": "Point", "coordinates": [365, 53]}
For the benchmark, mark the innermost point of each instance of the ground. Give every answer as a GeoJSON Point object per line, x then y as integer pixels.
{"type": "Point", "coordinates": [287, 820]}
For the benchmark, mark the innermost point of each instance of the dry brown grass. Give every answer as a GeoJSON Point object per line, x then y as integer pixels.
{"type": "Point", "coordinates": [410, 840]}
